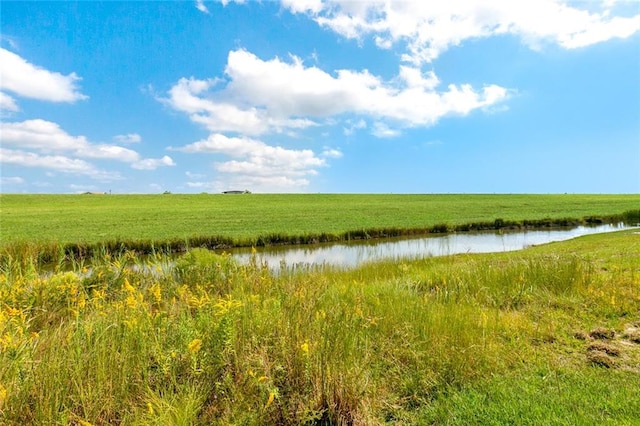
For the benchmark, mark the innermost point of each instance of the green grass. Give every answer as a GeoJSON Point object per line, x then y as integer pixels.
{"type": "Point", "coordinates": [504, 338]}
{"type": "Point", "coordinates": [95, 218]}
{"type": "Point", "coordinates": [79, 226]}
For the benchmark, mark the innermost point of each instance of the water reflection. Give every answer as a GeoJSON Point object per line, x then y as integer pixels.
{"type": "Point", "coordinates": [353, 254]}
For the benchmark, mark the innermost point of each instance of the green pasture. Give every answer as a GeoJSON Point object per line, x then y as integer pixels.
{"type": "Point", "coordinates": [91, 218]}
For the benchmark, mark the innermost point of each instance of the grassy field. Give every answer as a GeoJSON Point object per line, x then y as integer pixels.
{"type": "Point", "coordinates": [94, 218]}
{"type": "Point", "coordinates": [547, 335]}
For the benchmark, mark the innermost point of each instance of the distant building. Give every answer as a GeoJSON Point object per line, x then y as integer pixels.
{"type": "Point", "coordinates": [237, 192]}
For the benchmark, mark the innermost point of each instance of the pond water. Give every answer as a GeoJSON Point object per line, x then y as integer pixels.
{"type": "Point", "coordinates": [353, 254]}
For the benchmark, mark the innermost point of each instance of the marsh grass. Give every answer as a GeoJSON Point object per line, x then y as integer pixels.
{"type": "Point", "coordinates": [211, 341]}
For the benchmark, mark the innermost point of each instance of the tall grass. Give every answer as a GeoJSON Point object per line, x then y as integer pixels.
{"type": "Point", "coordinates": [211, 341]}
{"type": "Point", "coordinates": [78, 251]}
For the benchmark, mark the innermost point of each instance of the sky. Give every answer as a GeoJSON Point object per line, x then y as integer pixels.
{"type": "Point", "coordinates": [308, 96]}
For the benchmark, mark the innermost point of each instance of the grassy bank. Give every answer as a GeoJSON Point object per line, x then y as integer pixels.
{"type": "Point", "coordinates": [441, 340]}
{"type": "Point", "coordinates": [81, 225]}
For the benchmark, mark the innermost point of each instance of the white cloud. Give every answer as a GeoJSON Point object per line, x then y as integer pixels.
{"type": "Point", "coordinates": [226, 2]}
{"type": "Point", "coordinates": [257, 163]}
{"type": "Point", "coordinates": [128, 138]}
{"type": "Point", "coordinates": [191, 175]}
{"type": "Point", "coordinates": [58, 163]}
{"type": "Point", "coordinates": [352, 127]}
{"type": "Point", "coordinates": [11, 180]}
{"type": "Point", "coordinates": [153, 163]}
{"type": "Point", "coordinates": [201, 7]}
{"type": "Point", "coordinates": [7, 104]}
{"type": "Point", "coordinates": [303, 6]}
{"type": "Point", "coordinates": [48, 138]}
{"type": "Point", "coordinates": [273, 95]}
{"type": "Point", "coordinates": [429, 28]}
{"type": "Point", "coordinates": [30, 81]}
{"type": "Point", "coordinates": [221, 113]}
{"type": "Point", "coordinates": [381, 130]}
{"type": "Point", "coordinates": [331, 153]}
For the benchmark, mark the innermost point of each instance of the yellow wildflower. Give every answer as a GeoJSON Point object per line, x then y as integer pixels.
{"type": "Point", "coordinates": [128, 287]}
{"type": "Point", "coordinates": [194, 346]}
{"type": "Point", "coordinates": [3, 395]}
{"type": "Point", "coordinates": [272, 396]}
{"type": "Point", "coordinates": [131, 301]}
{"type": "Point", "coordinates": [305, 348]}
{"type": "Point", "coordinates": [156, 292]}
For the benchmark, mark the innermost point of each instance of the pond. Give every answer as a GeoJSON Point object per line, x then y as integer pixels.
{"type": "Point", "coordinates": [355, 253]}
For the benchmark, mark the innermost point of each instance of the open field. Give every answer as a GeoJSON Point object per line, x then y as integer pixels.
{"type": "Point", "coordinates": [246, 218]}
{"type": "Point", "coordinates": [550, 334]}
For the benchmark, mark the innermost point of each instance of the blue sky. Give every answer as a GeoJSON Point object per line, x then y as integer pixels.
{"type": "Point", "coordinates": [463, 96]}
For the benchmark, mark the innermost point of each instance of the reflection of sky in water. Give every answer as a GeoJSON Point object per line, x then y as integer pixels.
{"type": "Point", "coordinates": [352, 254]}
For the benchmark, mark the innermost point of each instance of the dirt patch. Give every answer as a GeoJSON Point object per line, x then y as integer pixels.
{"type": "Point", "coordinates": [602, 333]}
{"type": "Point", "coordinates": [604, 348]}
{"type": "Point", "coordinates": [632, 334]}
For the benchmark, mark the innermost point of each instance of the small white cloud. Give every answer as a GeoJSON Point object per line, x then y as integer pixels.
{"type": "Point", "coordinates": [303, 6]}
{"type": "Point", "coordinates": [30, 81]}
{"type": "Point", "coordinates": [226, 2]}
{"type": "Point", "coordinates": [381, 130]}
{"type": "Point", "coordinates": [195, 176]}
{"type": "Point", "coordinates": [352, 127]}
{"type": "Point", "coordinates": [7, 104]}
{"type": "Point", "coordinates": [201, 7]}
{"type": "Point", "coordinates": [128, 138]}
{"type": "Point", "coordinates": [153, 163]}
{"type": "Point", "coordinates": [331, 153]}
{"type": "Point", "coordinates": [383, 42]}
{"type": "Point", "coordinates": [11, 180]}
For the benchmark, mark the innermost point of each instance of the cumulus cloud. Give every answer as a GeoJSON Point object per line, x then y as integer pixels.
{"type": "Point", "coordinates": [257, 163]}
{"type": "Point", "coordinates": [258, 97]}
{"type": "Point", "coordinates": [47, 137]}
{"type": "Point", "coordinates": [31, 81]}
{"type": "Point", "coordinates": [264, 96]}
{"type": "Point", "coordinates": [58, 163]}
{"type": "Point", "coordinates": [427, 29]}
{"type": "Point", "coordinates": [219, 112]}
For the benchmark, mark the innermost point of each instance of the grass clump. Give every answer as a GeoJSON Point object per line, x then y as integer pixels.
{"type": "Point", "coordinates": [210, 341]}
